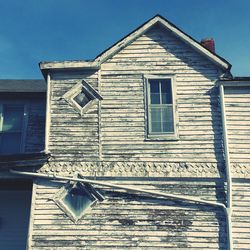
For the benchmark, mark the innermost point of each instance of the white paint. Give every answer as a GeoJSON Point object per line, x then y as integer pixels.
{"type": "Point", "coordinates": [48, 116]}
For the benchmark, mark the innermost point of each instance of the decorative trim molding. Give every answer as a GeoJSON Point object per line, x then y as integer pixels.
{"type": "Point", "coordinates": [138, 169]}
{"type": "Point", "coordinates": [240, 170]}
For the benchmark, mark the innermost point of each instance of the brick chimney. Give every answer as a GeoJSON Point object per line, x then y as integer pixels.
{"type": "Point", "coordinates": [208, 43]}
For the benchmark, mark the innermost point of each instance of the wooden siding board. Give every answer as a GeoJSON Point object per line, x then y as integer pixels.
{"type": "Point", "coordinates": [240, 216]}
{"type": "Point", "coordinates": [69, 132]}
{"type": "Point", "coordinates": [238, 122]}
{"type": "Point", "coordinates": [120, 220]}
{"type": "Point", "coordinates": [122, 83]}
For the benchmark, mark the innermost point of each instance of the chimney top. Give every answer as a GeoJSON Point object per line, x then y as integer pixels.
{"type": "Point", "coordinates": [209, 44]}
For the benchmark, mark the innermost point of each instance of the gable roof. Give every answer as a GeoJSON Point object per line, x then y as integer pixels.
{"type": "Point", "coordinates": [105, 55]}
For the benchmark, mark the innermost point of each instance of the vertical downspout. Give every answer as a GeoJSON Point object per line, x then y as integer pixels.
{"type": "Point", "coordinates": [229, 205]}
{"type": "Point", "coordinates": [99, 121]}
{"type": "Point", "coordinates": [47, 125]}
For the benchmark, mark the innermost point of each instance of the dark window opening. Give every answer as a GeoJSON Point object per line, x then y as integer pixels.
{"type": "Point", "coordinates": [82, 99]}
{"type": "Point", "coordinates": [12, 128]}
{"type": "Point", "coordinates": [15, 203]}
{"type": "Point", "coordinates": [75, 199]}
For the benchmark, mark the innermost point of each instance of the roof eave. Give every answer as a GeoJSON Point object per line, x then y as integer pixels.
{"type": "Point", "coordinates": [47, 67]}
{"type": "Point", "coordinates": [67, 64]}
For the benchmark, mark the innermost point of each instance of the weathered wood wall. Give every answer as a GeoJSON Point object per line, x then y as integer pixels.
{"type": "Point", "coordinates": [241, 215]}
{"type": "Point", "coordinates": [123, 109]}
{"type": "Point", "coordinates": [237, 101]}
{"type": "Point", "coordinates": [122, 112]}
{"type": "Point", "coordinates": [72, 137]}
{"type": "Point", "coordinates": [130, 221]}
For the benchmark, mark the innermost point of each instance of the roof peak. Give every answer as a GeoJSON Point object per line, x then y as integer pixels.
{"type": "Point", "coordinates": [115, 48]}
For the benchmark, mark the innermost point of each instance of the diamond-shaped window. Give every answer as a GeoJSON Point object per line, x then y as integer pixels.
{"type": "Point", "coordinates": [82, 99]}
{"type": "Point", "coordinates": [82, 96]}
{"type": "Point", "coordinates": [75, 199]}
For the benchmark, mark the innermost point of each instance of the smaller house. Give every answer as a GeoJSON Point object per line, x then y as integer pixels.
{"type": "Point", "coordinates": [22, 128]}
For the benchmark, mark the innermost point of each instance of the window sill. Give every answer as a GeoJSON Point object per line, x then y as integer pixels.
{"type": "Point", "coordinates": [170, 137]}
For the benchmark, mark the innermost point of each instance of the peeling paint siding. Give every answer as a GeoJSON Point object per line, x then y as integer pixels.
{"type": "Point", "coordinates": [123, 108]}
{"type": "Point", "coordinates": [237, 101]}
{"type": "Point", "coordinates": [69, 132]}
{"type": "Point", "coordinates": [130, 221]}
{"type": "Point", "coordinates": [122, 112]}
{"type": "Point", "coordinates": [240, 217]}
{"type": "Point", "coordinates": [34, 141]}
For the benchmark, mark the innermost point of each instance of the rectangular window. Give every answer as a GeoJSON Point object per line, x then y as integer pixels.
{"type": "Point", "coordinates": [161, 108]}
{"type": "Point", "coordinates": [12, 127]}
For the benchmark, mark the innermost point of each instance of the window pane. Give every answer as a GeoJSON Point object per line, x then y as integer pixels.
{"type": "Point", "coordinates": [77, 200]}
{"type": "Point", "coordinates": [154, 91]}
{"type": "Point", "coordinates": [155, 119]}
{"type": "Point", "coordinates": [155, 98]}
{"type": "Point", "coordinates": [10, 143]}
{"type": "Point", "coordinates": [82, 99]}
{"type": "Point", "coordinates": [166, 91]}
{"type": "Point", "coordinates": [167, 119]}
{"type": "Point", "coordinates": [167, 127]}
{"type": "Point", "coordinates": [154, 86]}
{"type": "Point", "coordinates": [155, 114]}
{"type": "Point", "coordinates": [162, 119]}
{"type": "Point", "coordinates": [13, 117]}
{"type": "Point", "coordinates": [156, 127]}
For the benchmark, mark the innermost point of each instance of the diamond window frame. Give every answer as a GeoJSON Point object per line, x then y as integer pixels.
{"type": "Point", "coordinates": [64, 190]}
{"type": "Point", "coordinates": [88, 90]}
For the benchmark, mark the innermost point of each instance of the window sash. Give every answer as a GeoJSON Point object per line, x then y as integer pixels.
{"type": "Point", "coordinates": [15, 133]}
{"type": "Point", "coordinates": [165, 126]}
{"type": "Point", "coordinates": [12, 118]}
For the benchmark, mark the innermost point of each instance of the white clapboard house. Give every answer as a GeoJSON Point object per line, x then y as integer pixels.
{"type": "Point", "coordinates": [145, 147]}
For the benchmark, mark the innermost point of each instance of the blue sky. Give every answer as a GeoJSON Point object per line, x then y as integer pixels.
{"type": "Point", "coordinates": [55, 30]}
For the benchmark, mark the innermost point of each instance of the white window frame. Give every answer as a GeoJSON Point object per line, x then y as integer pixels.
{"type": "Point", "coordinates": [63, 191]}
{"type": "Point", "coordinates": [24, 125]}
{"type": "Point", "coordinates": [158, 135]}
{"type": "Point", "coordinates": [82, 85]}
